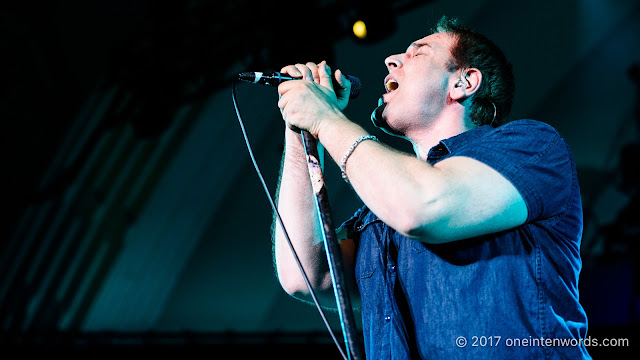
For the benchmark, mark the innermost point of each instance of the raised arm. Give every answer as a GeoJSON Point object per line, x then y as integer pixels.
{"type": "Point", "coordinates": [296, 204]}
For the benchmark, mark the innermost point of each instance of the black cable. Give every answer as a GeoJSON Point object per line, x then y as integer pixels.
{"type": "Point", "coordinates": [275, 209]}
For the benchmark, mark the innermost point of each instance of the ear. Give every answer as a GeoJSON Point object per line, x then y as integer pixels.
{"type": "Point", "coordinates": [466, 84]}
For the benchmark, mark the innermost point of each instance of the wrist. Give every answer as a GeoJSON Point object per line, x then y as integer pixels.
{"type": "Point", "coordinates": [331, 125]}
{"type": "Point", "coordinates": [347, 154]}
{"type": "Point", "coordinates": [293, 144]}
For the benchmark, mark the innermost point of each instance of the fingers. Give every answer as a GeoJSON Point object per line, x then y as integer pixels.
{"type": "Point", "coordinates": [298, 71]}
{"type": "Point", "coordinates": [303, 103]}
{"type": "Point", "coordinates": [318, 73]}
{"type": "Point", "coordinates": [308, 71]}
{"type": "Point", "coordinates": [324, 73]}
{"type": "Point", "coordinates": [313, 67]}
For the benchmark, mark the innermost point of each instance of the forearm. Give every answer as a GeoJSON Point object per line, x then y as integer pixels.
{"type": "Point", "coordinates": [399, 188]}
{"type": "Point", "coordinates": [295, 202]}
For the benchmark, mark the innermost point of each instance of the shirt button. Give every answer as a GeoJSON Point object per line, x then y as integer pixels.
{"type": "Point", "coordinates": [387, 318]}
{"type": "Point", "coordinates": [392, 268]}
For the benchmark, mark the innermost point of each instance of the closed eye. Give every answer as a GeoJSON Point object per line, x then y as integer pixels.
{"type": "Point", "coordinates": [419, 49]}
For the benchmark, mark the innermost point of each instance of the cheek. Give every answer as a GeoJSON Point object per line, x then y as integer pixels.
{"type": "Point", "coordinates": [422, 95]}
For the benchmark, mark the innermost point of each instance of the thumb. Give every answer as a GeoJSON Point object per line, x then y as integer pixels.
{"type": "Point", "coordinates": [344, 84]}
{"type": "Point", "coordinates": [325, 75]}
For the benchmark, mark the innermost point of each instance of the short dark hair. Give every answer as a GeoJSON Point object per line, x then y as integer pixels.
{"type": "Point", "coordinates": [474, 50]}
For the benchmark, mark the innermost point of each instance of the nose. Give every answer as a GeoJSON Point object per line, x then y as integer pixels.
{"type": "Point", "coordinates": [393, 62]}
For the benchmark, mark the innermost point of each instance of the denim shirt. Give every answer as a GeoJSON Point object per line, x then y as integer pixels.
{"type": "Point", "coordinates": [498, 296]}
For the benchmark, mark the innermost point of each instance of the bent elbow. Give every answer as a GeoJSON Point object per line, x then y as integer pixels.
{"type": "Point", "coordinates": [421, 214]}
{"type": "Point", "coordinates": [291, 284]}
{"type": "Point", "coordinates": [294, 288]}
{"type": "Point", "coordinates": [295, 285]}
{"type": "Point", "coordinates": [425, 224]}
{"type": "Point", "coordinates": [425, 234]}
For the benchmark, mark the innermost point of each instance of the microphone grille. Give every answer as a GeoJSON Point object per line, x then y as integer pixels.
{"type": "Point", "coordinates": [356, 84]}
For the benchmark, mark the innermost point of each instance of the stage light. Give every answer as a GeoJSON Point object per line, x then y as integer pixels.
{"type": "Point", "coordinates": [372, 23]}
{"type": "Point", "coordinates": [360, 29]}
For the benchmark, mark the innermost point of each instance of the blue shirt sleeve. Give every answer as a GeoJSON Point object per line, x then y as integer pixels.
{"type": "Point", "coordinates": [534, 157]}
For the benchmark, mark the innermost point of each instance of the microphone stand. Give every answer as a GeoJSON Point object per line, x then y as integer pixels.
{"type": "Point", "coordinates": [334, 255]}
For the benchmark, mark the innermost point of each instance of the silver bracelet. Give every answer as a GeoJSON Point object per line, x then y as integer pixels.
{"type": "Point", "coordinates": [348, 153]}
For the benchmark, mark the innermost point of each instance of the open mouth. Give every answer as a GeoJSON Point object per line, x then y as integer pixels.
{"type": "Point", "coordinates": [390, 85]}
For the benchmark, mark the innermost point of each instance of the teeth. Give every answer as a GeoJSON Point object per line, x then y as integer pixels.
{"type": "Point", "coordinates": [391, 85]}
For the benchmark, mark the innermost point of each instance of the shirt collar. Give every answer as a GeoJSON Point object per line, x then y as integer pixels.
{"type": "Point", "coordinates": [448, 146]}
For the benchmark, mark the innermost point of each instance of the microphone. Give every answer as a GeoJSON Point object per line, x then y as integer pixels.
{"type": "Point", "coordinates": [275, 78]}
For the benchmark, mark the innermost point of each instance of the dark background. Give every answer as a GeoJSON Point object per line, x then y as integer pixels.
{"type": "Point", "coordinates": [134, 220]}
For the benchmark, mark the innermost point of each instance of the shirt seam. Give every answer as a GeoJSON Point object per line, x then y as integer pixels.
{"type": "Point", "coordinates": [541, 297]}
{"type": "Point", "coordinates": [557, 217]}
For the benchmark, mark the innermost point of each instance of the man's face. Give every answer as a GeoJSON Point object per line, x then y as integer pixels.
{"type": "Point", "coordinates": [418, 83]}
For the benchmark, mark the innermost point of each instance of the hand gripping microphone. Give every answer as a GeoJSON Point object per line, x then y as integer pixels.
{"type": "Point", "coordinates": [345, 309]}
{"type": "Point", "coordinates": [275, 78]}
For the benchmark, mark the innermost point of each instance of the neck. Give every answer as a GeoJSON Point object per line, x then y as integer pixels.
{"type": "Point", "coordinates": [423, 139]}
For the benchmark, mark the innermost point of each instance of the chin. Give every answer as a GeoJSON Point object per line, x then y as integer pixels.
{"type": "Point", "coordinates": [379, 119]}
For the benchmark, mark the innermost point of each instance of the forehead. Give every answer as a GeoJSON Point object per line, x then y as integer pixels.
{"type": "Point", "coordinates": [439, 42]}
